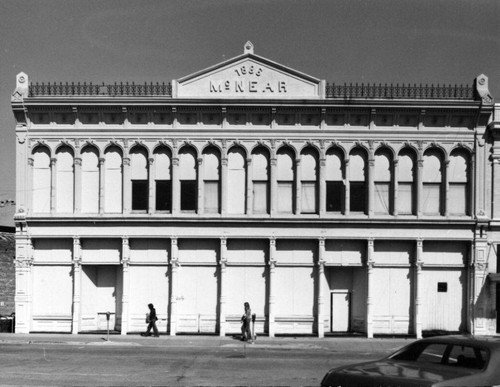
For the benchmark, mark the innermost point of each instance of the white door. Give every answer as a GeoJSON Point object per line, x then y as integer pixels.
{"type": "Point", "coordinates": [340, 311]}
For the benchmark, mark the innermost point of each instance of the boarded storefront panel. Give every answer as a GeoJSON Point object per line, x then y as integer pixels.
{"type": "Point", "coordinates": [149, 250]}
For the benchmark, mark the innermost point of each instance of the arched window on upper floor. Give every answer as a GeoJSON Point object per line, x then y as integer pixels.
{"type": "Point", "coordinates": [406, 202]}
{"type": "Point", "coordinates": [139, 176]}
{"type": "Point", "coordinates": [41, 180]}
{"type": "Point", "coordinates": [335, 181]}
{"type": "Point", "coordinates": [163, 179]}
{"type": "Point", "coordinates": [113, 184]}
{"type": "Point", "coordinates": [236, 193]}
{"type": "Point", "coordinates": [90, 180]}
{"type": "Point", "coordinates": [260, 180]}
{"type": "Point", "coordinates": [211, 180]}
{"type": "Point", "coordinates": [358, 192]}
{"type": "Point", "coordinates": [65, 180]}
{"type": "Point", "coordinates": [432, 201]}
{"type": "Point", "coordinates": [286, 180]}
{"type": "Point", "coordinates": [459, 194]}
{"type": "Point", "coordinates": [188, 175]}
{"type": "Point", "coordinates": [309, 180]}
{"type": "Point", "coordinates": [383, 203]}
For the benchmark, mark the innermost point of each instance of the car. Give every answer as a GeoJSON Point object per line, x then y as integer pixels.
{"type": "Point", "coordinates": [434, 361]}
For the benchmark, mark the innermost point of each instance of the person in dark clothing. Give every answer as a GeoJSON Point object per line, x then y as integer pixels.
{"type": "Point", "coordinates": [246, 320]}
{"type": "Point", "coordinates": [151, 320]}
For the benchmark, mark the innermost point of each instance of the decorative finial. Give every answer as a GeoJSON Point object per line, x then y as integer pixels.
{"type": "Point", "coordinates": [248, 48]}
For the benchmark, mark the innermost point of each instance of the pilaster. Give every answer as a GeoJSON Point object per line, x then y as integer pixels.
{"type": "Point", "coordinates": [222, 279]}
{"type": "Point", "coordinates": [418, 288]}
{"type": "Point", "coordinates": [272, 286]}
{"type": "Point", "coordinates": [125, 261]}
{"type": "Point", "coordinates": [369, 284]}
{"type": "Point", "coordinates": [174, 269]}
{"type": "Point", "coordinates": [320, 278]}
{"type": "Point", "coordinates": [77, 284]}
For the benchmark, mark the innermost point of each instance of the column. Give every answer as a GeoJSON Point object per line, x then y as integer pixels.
{"type": "Point", "coordinates": [23, 296]}
{"type": "Point", "coordinates": [127, 186]}
{"type": "Point", "coordinates": [320, 279]}
{"type": "Point", "coordinates": [222, 279]}
{"type": "Point", "coordinates": [201, 186]}
{"type": "Point", "coordinates": [224, 182]}
{"type": "Point", "coordinates": [28, 186]}
{"type": "Point", "coordinates": [174, 268]}
{"type": "Point", "coordinates": [272, 287]}
{"type": "Point", "coordinates": [176, 186]}
{"type": "Point", "coordinates": [102, 182]}
{"type": "Point", "coordinates": [446, 205]}
{"type": "Point", "coordinates": [125, 283]}
{"type": "Point", "coordinates": [369, 284]}
{"type": "Point", "coordinates": [420, 188]}
{"type": "Point", "coordinates": [249, 196]}
{"type": "Point", "coordinates": [77, 284]}
{"type": "Point", "coordinates": [322, 186]}
{"type": "Point", "coordinates": [481, 306]}
{"type": "Point", "coordinates": [78, 185]}
{"type": "Point", "coordinates": [298, 186]}
{"type": "Point", "coordinates": [347, 188]}
{"type": "Point", "coordinates": [395, 188]}
{"type": "Point", "coordinates": [274, 184]}
{"type": "Point", "coordinates": [371, 184]}
{"type": "Point", "coordinates": [53, 184]}
{"type": "Point", "coordinates": [151, 185]}
{"type": "Point", "coordinates": [418, 288]}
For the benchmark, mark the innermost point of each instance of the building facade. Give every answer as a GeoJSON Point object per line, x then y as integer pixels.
{"type": "Point", "coordinates": [329, 208]}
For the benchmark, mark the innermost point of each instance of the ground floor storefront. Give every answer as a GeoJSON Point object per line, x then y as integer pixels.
{"type": "Point", "coordinates": [300, 285]}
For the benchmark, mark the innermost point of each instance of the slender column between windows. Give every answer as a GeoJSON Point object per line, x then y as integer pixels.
{"type": "Point", "coordinates": [224, 182]}
{"type": "Point", "coordinates": [420, 188]}
{"type": "Point", "coordinates": [53, 184]}
{"type": "Point", "coordinates": [347, 188]}
{"type": "Point", "coordinates": [369, 285]}
{"type": "Point", "coordinates": [274, 185]}
{"type": "Point", "coordinates": [102, 182]}
{"type": "Point", "coordinates": [395, 186]}
{"type": "Point", "coordinates": [151, 182]}
{"type": "Point", "coordinates": [249, 195]}
{"type": "Point", "coordinates": [371, 184]}
{"type": "Point", "coordinates": [322, 186]}
{"type": "Point", "coordinates": [446, 198]}
{"type": "Point", "coordinates": [77, 280]}
{"type": "Point", "coordinates": [126, 284]}
{"type": "Point", "coordinates": [222, 308]}
{"type": "Point", "coordinates": [29, 198]}
{"type": "Point", "coordinates": [127, 186]}
{"type": "Point", "coordinates": [298, 186]}
{"type": "Point", "coordinates": [272, 287]}
{"type": "Point", "coordinates": [201, 186]}
{"type": "Point", "coordinates": [78, 185]}
{"type": "Point", "coordinates": [176, 197]}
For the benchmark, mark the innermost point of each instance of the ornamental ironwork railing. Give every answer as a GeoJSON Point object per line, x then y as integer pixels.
{"type": "Point", "coordinates": [91, 89]}
{"type": "Point", "coordinates": [399, 91]}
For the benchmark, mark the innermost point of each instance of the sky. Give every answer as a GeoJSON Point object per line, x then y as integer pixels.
{"type": "Point", "coordinates": [370, 41]}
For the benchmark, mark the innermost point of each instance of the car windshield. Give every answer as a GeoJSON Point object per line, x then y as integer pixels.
{"type": "Point", "coordinates": [456, 355]}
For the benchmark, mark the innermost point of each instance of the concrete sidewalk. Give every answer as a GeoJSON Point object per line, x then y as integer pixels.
{"type": "Point", "coordinates": [334, 344]}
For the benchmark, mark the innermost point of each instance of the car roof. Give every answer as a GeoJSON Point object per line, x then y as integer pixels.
{"type": "Point", "coordinates": [484, 341]}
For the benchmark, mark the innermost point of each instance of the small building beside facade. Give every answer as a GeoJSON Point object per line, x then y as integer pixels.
{"type": "Point", "coordinates": [329, 208]}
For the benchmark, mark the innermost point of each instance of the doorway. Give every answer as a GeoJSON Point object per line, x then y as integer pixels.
{"type": "Point", "coordinates": [340, 311]}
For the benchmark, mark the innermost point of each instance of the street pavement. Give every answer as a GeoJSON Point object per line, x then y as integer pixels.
{"type": "Point", "coordinates": [183, 360]}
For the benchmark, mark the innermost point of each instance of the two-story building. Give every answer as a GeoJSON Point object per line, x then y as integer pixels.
{"type": "Point", "coordinates": [329, 208]}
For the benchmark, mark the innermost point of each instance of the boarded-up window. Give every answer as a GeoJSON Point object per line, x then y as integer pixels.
{"type": "Point", "coordinates": [432, 183]}
{"type": "Point", "coordinates": [383, 178]}
{"type": "Point", "coordinates": [188, 179]}
{"type": "Point", "coordinates": [163, 186]}
{"type": "Point", "coordinates": [113, 180]}
{"type": "Point", "coordinates": [335, 191]}
{"type": "Point", "coordinates": [90, 180]}
{"type": "Point", "coordinates": [357, 181]}
{"type": "Point", "coordinates": [211, 177]}
{"type": "Point", "coordinates": [309, 181]}
{"type": "Point", "coordinates": [406, 179]}
{"type": "Point", "coordinates": [458, 201]}
{"type": "Point", "coordinates": [41, 180]}
{"type": "Point", "coordinates": [260, 176]}
{"type": "Point", "coordinates": [139, 177]}
{"type": "Point", "coordinates": [286, 176]}
{"type": "Point", "coordinates": [64, 180]}
{"type": "Point", "coordinates": [236, 181]}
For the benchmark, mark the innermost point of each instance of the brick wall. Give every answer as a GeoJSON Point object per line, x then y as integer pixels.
{"type": "Point", "coordinates": [7, 273]}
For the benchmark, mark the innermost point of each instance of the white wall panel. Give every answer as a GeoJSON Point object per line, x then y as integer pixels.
{"type": "Point", "coordinates": [444, 311]}
{"type": "Point", "coordinates": [391, 300]}
{"type": "Point", "coordinates": [294, 291]}
{"type": "Point", "coordinates": [148, 284]}
{"type": "Point", "coordinates": [53, 250]}
{"type": "Point", "coordinates": [52, 291]}
{"type": "Point", "coordinates": [394, 252]}
{"type": "Point", "coordinates": [345, 252]}
{"type": "Point", "coordinates": [445, 253]}
{"type": "Point", "coordinates": [197, 289]}
{"type": "Point", "coordinates": [149, 250]}
{"type": "Point", "coordinates": [296, 251]}
{"type": "Point", "coordinates": [247, 251]}
{"type": "Point", "coordinates": [245, 284]}
{"type": "Point", "coordinates": [101, 251]}
{"type": "Point", "coordinates": [199, 250]}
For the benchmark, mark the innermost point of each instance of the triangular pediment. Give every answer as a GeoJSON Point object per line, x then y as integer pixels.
{"type": "Point", "coordinates": [248, 76]}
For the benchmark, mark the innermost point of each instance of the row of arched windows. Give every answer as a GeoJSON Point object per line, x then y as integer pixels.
{"type": "Point", "coordinates": [254, 184]}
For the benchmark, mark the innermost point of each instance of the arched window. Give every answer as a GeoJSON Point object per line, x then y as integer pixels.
{"type": "Point", "coordinates": [357, 181]}
{"type": "Point", "coordinates": [188, 173]}
{"type": "Point", "coordinates": [334, 175]}
{"type": "Point", "coordinates": [260, 180]}
{"type": "Point", "coordinates": [406, 183]}
{"type": "Point", "coordinates": [64, 180]}
{"type": "Point", "coordinates": [309, 181]}
{"type": "Point", "coordinates": [458, 201]}
{"type": "Point", "coordinates": [41, 180]}
{"type": "Point", "coordinates": [433, 182]}
{"type": "Point", "coordinates": [211, 180]}
{"type": "Point", "coordinates": [286, 178]}
{"type": "Point", "coordinates": [163, 179]}
{"type": "Point", "coordinates": [383, 182]}
{"type": "Point", "coordinates": [236, 165]}
{"type": "Point", "coordinates": [113, 180]}
{"type": "Point", "coordinates": [90, 180]}
{"type": "Point", "coordinates": [139, 173]}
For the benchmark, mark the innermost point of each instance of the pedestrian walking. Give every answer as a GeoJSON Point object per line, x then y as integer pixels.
{"type": "Point", "coordinates": [246, 320]}
{"type": "Point", "coordinates": [151, 319]}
